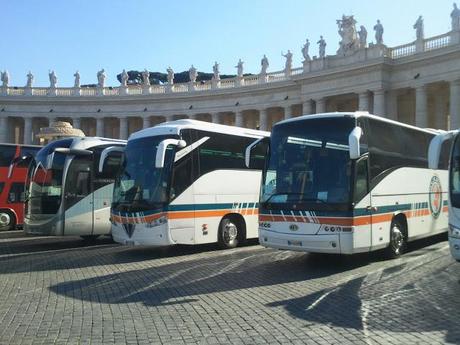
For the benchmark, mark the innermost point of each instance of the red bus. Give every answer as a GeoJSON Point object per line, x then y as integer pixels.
{"type": "Point", "coordinates": [12, 195]}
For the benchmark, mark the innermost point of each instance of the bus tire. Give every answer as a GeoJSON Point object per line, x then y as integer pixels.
{"type": "Point", "coordinates": [229, 233]}
{"type": "Point", "coordinates": [89, 238]}
{"type": "Point", "coordinates": [398, 239]}
{"type": "Point", "coordinates": [7, 220]}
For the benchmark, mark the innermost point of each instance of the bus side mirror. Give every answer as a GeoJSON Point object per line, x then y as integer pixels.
{"type": "Point", "coordinates": [106, 153]}
{"type": "Point", "coordinates": [353, 142]}
{"type": "Point", "coordinates": [434, 150]}
{"type": "Point", "coordinates": [161, 152]}
{"type": "Point", "coordinates": [65, 151]}
{"type": "Point", "coordinates": [247, 153]}
{"type": "Point", "coordinates": [16, 161]}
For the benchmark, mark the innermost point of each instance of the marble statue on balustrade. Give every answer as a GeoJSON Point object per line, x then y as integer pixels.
{"type": "Point", "coordinates": [101, 78]}
{"type": "Point", "coordinates": [288, 64]}
{"type": "Point", "coordinates": [239, 69]}
{"type": "Point", "coordinates": [5, 79]}
{"type": "Point", "coordinates": [53, 79]}
{"type": "Point", "coordinates": [455, 15]}
{"type": "Point", "coordinates": [170, 75]}
{"type": "Point", "coordinates": [30, 80]}
{"type": "Point", "coordinates": [378, 28]}
{"type": "Point", "coordinates": [193, 74]}
{"type": "Point", "coordinates": [419, 31]}
{"type": "Point", "coordinates": [215, 70]}
{"type": "Point", "coordinates": [76, 83]}
{"type": "Point", "coordinates": [305, 49]}
{"type": "Point", "coordinates": [362, 33]}
{"type": "Point", "coordinates": [264, 63]}
{"type": "Point", "coordinates": [146, 78]}
{"type": "Point", "coordinates": [124, 78]}
{"type": "Point", "coordinates": [347, 31]}
{"type": "Point", "coordinates": [322, 47]}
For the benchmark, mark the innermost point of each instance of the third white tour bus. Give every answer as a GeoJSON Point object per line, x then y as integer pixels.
{"type": "Point", "coordinates": [69, 191]}
{"type": "Point", "coordinates": [442, 143]}
{"type": "Point", "coordinates": [186, 182]}
{"type": "Point", "coordinates": [349, 182]}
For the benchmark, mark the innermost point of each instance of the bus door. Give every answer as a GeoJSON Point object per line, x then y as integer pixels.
{"type": "Point", "coordinates": [364, 210]}
{"type": "Point", "coordinates": [79, 197]}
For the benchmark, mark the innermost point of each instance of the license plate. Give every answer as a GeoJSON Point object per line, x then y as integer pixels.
{"type": "Point", "coordinates": [130, 243]}
{"type": "Point", "coordinates": [295, 243]}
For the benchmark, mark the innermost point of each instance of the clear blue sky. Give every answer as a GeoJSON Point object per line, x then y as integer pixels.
{"type": "Point", "coordinates": [66, 35]}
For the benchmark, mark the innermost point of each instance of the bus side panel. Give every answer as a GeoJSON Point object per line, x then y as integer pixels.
{"type": "Point", "coordinates": [221, 192]}
{"type": "Point", "coordinates": [181, 218]}
{"type": "Point", "coordinates": [102, 200]}
{"type": "Point", "coordinates": [407, 191]}
{"type": "Point", "coordinates": [79, 217]}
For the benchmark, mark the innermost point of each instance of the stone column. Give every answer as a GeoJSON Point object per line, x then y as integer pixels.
{"type": "Point", "coordinates": [123, 128]}
{"type": "Point", "coordinates": [320, 105]}
{"type": "Point", "coordinates": [306, 107]}
{"type": "Point", "coordinates": [440, 111]}
{"type": "Point", "coordinates": [263, 119]}
{"type": "Point", "coordinates": [363, 104]}
{"type": "Point", "coordinates": [288, 112]}
{"type": "Point", "coordinates": [76, 122]}
{"type": "Point", "coordinates": [27, 130]}
{"type": "Point", "coordinates": [169, 118]}
{"type": "Point", "coordinates": [215, 118]}
{"type": "Point", "coordinates": [51, 119]}
{"type": "Point", "coordinates": [100, 127]}
{"type": "Point", "coordinates": [146, 122]}
{"type": "Point", "coordinates": [392, 105]}
{"type": "Point", "coordinates": [3, 129]}
{"type": "Point", "coordinates": [239, 119]}
{"type": "Point", "coordinates": [379, 102]}
{"type": "Point", "coordinates": [454, 104]}
{"type": "Point", "coordinates": [421, 114]}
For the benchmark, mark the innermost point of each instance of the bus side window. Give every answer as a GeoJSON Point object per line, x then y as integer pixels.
{"type": "Point", "coordinates": [361, 180]}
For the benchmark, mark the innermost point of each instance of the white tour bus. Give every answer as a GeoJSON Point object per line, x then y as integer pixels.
{"type": "Point", "coordinates": [449, 142]}
{"type": "Point", "coordinates": [186, 182]}
{"type": "Point", "coordinates": [346, 183]}
{"type": "Point", "coordinates": [68, 190]}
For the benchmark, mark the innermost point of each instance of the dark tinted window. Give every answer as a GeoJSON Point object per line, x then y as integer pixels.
{"type": "Point", "coordinates": [7, 153]}
{"type": "Point", "coordinates": [110, 168]}
{"type": "Point", "coordinates": [78, 180]}
{"type": "Point", "coordinates": [361, 182]}
{"type": "Point", "coordinates": [182, 176]}
{"type": "Point", "coordinates": [16, 193]}
{"type": "Point", "coordinates": [2, 184]}
{"type": "Point", "coordinates": [27, 151]}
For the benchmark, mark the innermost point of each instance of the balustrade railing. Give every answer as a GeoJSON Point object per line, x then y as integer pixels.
{"type": "Point", "coordinates": [437, 42]}
{"type": "Point", "coordinates": [402, 51]}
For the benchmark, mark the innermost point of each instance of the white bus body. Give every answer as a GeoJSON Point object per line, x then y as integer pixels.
{"type": "Point", "coordinates": [437, 147]}
{"type": "Point", "coordinates": [67, 195]}
{"type": "Point", "coordinates": [346, 183]}
{"type": "Point", "coordinates": [185, 182]}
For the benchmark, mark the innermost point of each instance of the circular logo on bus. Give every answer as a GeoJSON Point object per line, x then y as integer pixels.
{"type": "Point", "coordinates": [435, 197]}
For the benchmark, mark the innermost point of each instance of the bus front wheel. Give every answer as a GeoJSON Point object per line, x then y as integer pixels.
{"type": "Point", "coordinates": [7, 220]}
{"type": "Point", "coordinates": [228, 233]}
{"type": "Point", "coordinates": [397, 239]}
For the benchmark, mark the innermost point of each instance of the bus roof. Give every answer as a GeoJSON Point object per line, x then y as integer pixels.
{"type": "Point", "coordinates": [357, 114]}
{"type": "Point", "coordinates": [174, 127]}
{"type": "Point", "coordinates": [87, 142]}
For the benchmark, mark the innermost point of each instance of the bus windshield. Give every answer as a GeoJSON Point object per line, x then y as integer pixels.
{"type": "Point", "coordinates": [309, 164]}
{"type": "Point", "coordinates": [140, 186]}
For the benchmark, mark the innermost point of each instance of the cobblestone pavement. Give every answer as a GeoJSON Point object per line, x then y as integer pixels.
{"type": "Point", "coordinates": [65, 291]}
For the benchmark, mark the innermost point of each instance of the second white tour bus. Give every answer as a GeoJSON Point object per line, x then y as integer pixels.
{"type": "Point", "coordinates": [346, 183]}
{"type": "Point", "coordinates": [442, 143]}
{"type": "Point", "coordinates": [68, 191]}
{"type": "Point", "coordinates": [186, 182]}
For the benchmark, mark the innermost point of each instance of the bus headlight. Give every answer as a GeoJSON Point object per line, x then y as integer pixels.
{"type": "Point", "coordinates": [454, 231]}
{"type": "Point", "coordinates": [157, 222]}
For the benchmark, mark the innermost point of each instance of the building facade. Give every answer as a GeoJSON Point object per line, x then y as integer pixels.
{"type": "Point", "coordinates": [416, 83]}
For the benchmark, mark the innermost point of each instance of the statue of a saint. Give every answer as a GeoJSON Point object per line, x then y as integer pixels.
{"type": "Point", "coordinates": [264, 64]}
{"type": "Point", "coordinates": [192, 72]}
{"type": "Point", "coordinates": [305, 49]}
{"type": "Point", "coordinates": [322, 47]}
{"type": "Point", "coordinates": [239, 68]}
{"type": "Point", "coordinates": [124, 78]}
{"type": "Point", "coordinates": [362, 33]}
{"type": "Point", "coordinates": [53, 79]}
{"type": "Point", "coordinates": [288, 63]}
{"type": "Point", "coordinates": [101, 78]}
{"type": "Point", "coordinates": [5, 79]}
{"type": "Point", "coordinates": [30, 79]}
{"type": "Point", "coordinates": [76, 83]}
{"type": "Point", "coordinates": [146, 78]}
{"type": "Point", "coordinates": [215, 70]}
{"type": "Point", "coordinates": [378, 28]}
{"type": "Point", "coordinates": [170, 76]}
{"type": "Point", "coordinates": [418, 26]}
{"type": "Point", "coordinates": [455, 15]}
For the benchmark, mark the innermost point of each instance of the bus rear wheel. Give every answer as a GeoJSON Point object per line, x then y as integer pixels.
{"type": "Point", "coordinates": [228, 233]}
{"type": "Point", "coordinates": [7, 220]}
{"type": "Point", "coordinates": [397, 240]}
